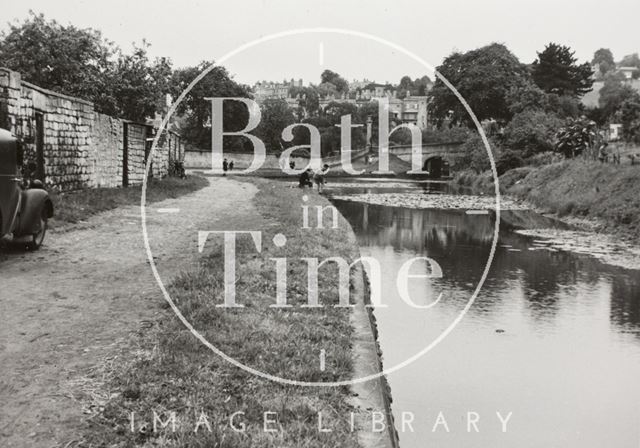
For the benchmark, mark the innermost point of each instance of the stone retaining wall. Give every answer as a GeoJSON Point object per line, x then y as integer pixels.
{"type": "Point", "coordinates": [75, 147]}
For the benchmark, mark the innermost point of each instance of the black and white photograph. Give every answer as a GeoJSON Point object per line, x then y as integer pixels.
{"type": "Point", "coordinates": [319, 224]}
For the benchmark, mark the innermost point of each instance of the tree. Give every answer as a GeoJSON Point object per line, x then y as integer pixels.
{"type": "Point", "coordinates": [526, 97]}
{"type": "Point", "coordinates": [603, 58]}
{"type": "Point", "coordinates": [417, 87]}
{"type": "Point", "coordinates": [630, 60]}
{"type": "Point", "coordinates": [276, 115]}
{"type": "Point", "coordinates": [577, 136]}
{"type": "Point", "coordinates": [196, 111]}
{"type": "Point", "coordinates": [532, 131]}
{"type": "Point", "coordinates": [483, 77]}
{"type": "Point", "coordinates": [630, 118]}
{"type": "Point", "coordinates": [308, 102]}
{"type": "Point", "coordinates": [556, 71]}
{"type": "Point", "coordinates": [338, 81]}
{"type": "Point", "coordinates": [135, 87]}
{"type": "Point", "coordinates": [66, 59]}
{"type": "Point", "coordinates": [81, 63]}
{"type": "Point", "coordinates": [422, 85]}
{"type": "Point", "coordinates": [613, 93]}
{"type": "Point", "coordinates": [405, 85]}
{"type": "Point", "coordinates": [327, 89]}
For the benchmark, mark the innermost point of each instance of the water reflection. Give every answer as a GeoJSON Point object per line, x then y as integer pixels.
{"type": "Point", "coordinates": [553, 336]}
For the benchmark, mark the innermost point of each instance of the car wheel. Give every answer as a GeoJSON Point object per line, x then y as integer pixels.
{"type": "Point", "coordinates": [38, 238]}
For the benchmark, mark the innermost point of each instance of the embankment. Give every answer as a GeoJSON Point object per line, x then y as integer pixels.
{"type": "Point", "coordinates": [606, 196]}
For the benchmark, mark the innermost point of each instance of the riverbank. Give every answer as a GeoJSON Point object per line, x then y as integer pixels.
{"type": "Point", "coordinates": [165, 370]}
{"type": "Point", "coordinates": [589, 195]}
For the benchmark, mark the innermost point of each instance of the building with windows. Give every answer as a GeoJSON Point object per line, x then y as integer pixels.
{"type": "Point", "coordinates": [409, 109]}
{"type": "Point", "coordinates": [263, 90]}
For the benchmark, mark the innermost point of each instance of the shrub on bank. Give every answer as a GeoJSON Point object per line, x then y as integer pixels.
{"type": "Point", "coordinates": [508, 160]}
{"type": "Point", "coordinates": [474, 155]}
{"type": "Point", "coordinates": [532, 132]}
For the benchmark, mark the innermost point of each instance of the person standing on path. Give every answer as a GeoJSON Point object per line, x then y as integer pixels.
{"type": "Point", "coordinates": [225, 167]}
{"type": "Point", "coordinates": [319, 177]}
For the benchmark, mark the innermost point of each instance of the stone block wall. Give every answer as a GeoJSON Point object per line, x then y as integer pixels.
{"type": "Point", "coordinates": [106, 151]}
{"type": "Point", "coordinates": [79, 147]}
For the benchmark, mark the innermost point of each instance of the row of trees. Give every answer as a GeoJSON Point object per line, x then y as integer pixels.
{"type": "Point", "coordinates": [536, 107]}
{"type": "Point", "coordinates": [605, 63]}
{"type": "Point", "coordinates": [131, 85]}
{"type": "Point", "coordinates": [618, 101]}
{"type": "Point", "coordinates": [82, 63]}
{"type": "Point", "coordinates": [529, 102]}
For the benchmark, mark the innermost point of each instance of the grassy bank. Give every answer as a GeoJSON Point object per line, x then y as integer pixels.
{"type": "Point", "coordinates": [607, 193]}
{"type": "Point", "coordinates": [166, 369]}
{"type": "Point", "coordinates": [79, 205]}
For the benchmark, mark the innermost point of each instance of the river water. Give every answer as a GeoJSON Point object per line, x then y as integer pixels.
{"type": "Point", "coordinates": [553, 338]}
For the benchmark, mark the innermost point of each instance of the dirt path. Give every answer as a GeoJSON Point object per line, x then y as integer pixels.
{"type": "Point", "coordinates": [65, 307]}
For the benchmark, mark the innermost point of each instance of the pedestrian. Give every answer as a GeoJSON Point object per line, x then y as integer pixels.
{"type": "Point", "coordinates": [319, 177]}
{"type": "Point", "coordinates": [231, 165]}
{"type": "Point", "coordinates": [225, 167]}
{"type": "Point", "coordinates": [305, 179]}
{"type": "Point", "coordinates": [602, 153]}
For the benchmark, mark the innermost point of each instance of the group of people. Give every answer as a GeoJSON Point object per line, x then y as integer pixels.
{"type": "Point", "coordinates": [309, 177]}
{"type": "Point", "coordinates": [227, 166]}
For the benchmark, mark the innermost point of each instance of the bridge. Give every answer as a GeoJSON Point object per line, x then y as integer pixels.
{"type": "Point", "coordinates": [445, 150]}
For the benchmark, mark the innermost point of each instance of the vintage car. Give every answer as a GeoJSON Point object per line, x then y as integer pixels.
{"type": "Point", "coordinates": [25, 206]}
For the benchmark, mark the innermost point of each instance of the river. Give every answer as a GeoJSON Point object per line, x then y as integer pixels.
{"type": "Point", "coordinates": [552, 342]}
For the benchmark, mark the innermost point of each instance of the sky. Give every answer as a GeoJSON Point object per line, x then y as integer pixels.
{"type": "Point", "coordinates": [190, 31]}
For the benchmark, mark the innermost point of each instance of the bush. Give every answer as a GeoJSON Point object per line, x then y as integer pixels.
{"type": "Point", "coordinates": [531, 132]}
{"type": "Point", "coordinates": [474, 155]}
{"type": "Point", "coordinates": [508, 160]}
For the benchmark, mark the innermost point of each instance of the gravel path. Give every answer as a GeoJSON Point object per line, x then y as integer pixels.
{"type": "Point", "coordinates": [66, 307]}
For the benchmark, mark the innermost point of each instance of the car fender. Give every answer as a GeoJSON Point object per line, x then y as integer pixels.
{"type": "Point", "coordinates": [33, 202]}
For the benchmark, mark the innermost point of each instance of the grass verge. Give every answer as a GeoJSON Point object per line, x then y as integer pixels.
{"type": "Point", "coordinates": [167, 370]}
{"type": "Point", "coordinates": [79, 205]}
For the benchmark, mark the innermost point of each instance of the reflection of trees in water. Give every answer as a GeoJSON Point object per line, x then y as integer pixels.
{"type": "Point", "coordinates": [461, 243]}
{"type": "Point", "coordinates": [625, 302]}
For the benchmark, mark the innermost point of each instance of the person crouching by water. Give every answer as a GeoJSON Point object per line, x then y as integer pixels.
{"type": "Point", "coordinates": [319, 177]}
{"type": "Point", "coordinates": [305, 179]}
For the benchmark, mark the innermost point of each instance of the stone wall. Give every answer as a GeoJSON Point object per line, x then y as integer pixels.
{"type": "Point", "coordinates": [106, 151]}
{"type": "Point", "coordinates": [72, 145]}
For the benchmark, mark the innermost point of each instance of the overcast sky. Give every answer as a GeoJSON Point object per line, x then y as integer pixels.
{"type": "Point", "coordinates": [189, 31]}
